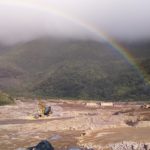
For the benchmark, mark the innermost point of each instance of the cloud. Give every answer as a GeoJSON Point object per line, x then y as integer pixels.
{"type": "Point", "coordinates": [29, 19]}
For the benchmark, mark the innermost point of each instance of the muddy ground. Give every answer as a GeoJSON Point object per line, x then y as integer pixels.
{"type": "Point", "coordinates": [73, 124]}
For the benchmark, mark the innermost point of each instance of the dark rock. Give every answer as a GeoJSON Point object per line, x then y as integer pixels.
{"type": "Point", "coordinates": [43, 145]}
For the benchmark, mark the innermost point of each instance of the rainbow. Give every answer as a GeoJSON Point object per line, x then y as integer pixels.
{"type": "Point", "coordinates": [46, 7]}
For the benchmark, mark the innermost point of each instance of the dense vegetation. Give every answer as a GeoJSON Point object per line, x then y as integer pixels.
{"type": "Point", "coordinates": [89, 85]}
{"type": "Point", "coordinates": [73, 69]}
{"type": "Point", "coordinates": [5, 99]}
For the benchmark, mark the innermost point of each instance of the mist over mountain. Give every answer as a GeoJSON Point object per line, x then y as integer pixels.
{"type": "Point", "coordinates": [22, 21]}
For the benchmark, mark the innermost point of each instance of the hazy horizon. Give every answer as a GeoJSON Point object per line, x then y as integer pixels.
{"type": "Point", "coordinates": [30, 19]}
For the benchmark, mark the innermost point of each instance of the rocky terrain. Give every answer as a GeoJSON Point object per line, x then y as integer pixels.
{"type": "Point", "coordinates": [74, 125]}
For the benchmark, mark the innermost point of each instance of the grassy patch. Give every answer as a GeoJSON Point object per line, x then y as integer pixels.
{"type": "Point", "coordinates": [5, 99]}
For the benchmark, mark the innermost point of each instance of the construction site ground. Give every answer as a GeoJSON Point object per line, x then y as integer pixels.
{"type": "Point", "coordinates": [73, 124]}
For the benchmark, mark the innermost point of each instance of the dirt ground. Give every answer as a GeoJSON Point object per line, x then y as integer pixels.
{"type": "Point", "coordinates": [73, 124]}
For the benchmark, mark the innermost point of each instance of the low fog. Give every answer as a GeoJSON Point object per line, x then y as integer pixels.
{"type": "Point", "coordinates": [29, 19]}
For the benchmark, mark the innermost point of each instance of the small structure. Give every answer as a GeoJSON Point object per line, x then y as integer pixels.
{"type": "Point", "coordinates": [92, 104]}
{"type": "Point", "coordinates": [148, 106]}
{"type": "Point", "coordinates": [145, 106]}
{"type": "Point", "coordinates": [107, 104]}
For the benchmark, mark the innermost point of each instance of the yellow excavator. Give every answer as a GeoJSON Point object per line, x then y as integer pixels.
{"type": "Point", "coordinates": [43, 110]}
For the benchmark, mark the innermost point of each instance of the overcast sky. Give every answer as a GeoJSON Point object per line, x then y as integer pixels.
{"type": "Point", "coordinates": [28, 19]}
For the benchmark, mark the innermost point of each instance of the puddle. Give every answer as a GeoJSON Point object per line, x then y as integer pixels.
{"type": "Point", "coordinates": [55, 137]}
{"type": "Point", "coordinates": [74, 148]}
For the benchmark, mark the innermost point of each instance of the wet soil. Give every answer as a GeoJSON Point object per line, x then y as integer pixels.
{"type": "Point", "coordinates": [72, 124]}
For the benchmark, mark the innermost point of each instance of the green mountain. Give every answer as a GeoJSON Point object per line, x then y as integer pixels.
{"type": "Point", "coordinates": [52, 67]}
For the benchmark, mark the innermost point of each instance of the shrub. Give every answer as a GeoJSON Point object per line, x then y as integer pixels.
{"type": "Point", "coordinates": [5, 99]}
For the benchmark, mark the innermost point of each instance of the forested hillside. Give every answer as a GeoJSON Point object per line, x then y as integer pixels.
{"type": "Point", "coordinates": [79, 69]}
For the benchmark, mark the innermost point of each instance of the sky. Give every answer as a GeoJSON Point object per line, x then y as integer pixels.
{"type": "Point", "coordinates": [24, 20]}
